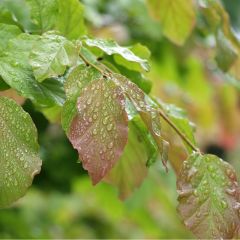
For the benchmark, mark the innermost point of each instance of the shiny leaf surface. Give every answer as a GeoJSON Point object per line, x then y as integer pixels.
{"type": "Point", "coordinates": [209, 197]}
{"type": "Point", "coordinates": [19, 149]}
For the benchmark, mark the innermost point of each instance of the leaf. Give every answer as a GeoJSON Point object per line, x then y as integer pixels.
{"type": "Point", "coordinates": [79, 77]}
{"type": "Point", "coordinates": [19, 13]}
{"type": "Point", "coordinates": [99, 131]}
{"type": "Point", "coordinates": [146, 109]}
{"type": "Point", "coordinates": [71, 19]}
{"type": "Point", "coordinates": [110, 47]}
{"type": "Point", "coordinates": [43, 14]}
{"type": "Point", "coordinates": [228, 45]}
{"type": "Point", "coordinates": [131, 169]}
{"type": "Point", "coordinates": [177, 18]}
{"type": "Point", "coordinates": [17, 73]}
{"type": "Point", "coordinates": [140, 51]}
{"type": "Point", "coordinates": [7, 32]}
{"type": "Point", "coordinates": [51, 55]}
{"type": "Point", "coordinates": [209, 197]}
{"type": "Point", "coordinates": [19, 152]}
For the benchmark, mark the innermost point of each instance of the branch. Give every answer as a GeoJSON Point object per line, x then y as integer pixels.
{"type": "Point", "coordinates": [177, 130]}
{"type": "Point", "coordinates": [91, 64]}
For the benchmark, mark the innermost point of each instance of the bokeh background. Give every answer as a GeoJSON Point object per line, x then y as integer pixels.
{"type": "Point", "coordinates": [62, 203]}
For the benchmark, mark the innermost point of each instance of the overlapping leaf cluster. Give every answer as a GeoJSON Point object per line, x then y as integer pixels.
{"type": "Point", "coordinates": [104, 106]}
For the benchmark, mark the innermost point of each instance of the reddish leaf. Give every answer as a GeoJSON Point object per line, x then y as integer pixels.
{"type": "Point", "coordinates": [100, 129]}
{"type": "Point", "coordinates": [209, 197]}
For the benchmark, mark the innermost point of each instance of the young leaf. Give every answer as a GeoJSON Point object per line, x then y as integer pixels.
{"type": "Point", "coordinates": [71, 19]}
{"type": "Point", "coordinates": [19, 157]}
{"type": "Point", "coordinates": [51, 55]}
{"type": "Point", "coordinates": [131, 169]}
{"type": "Point", "coordinates": [99, 131]}
{"type": "Point", "coordinates": [7, 32]}
{"type": "Point", "coordinates": [177, 18]}
{"type": "Point", "coordinates": [43, 14]}
{"type": "Point", "coordinates": [209, 197]}
{"type": "Point", "coordinates": [110, 47]}
{"type": "Point", "coordinates": [17, 73]}
{"type": "Point", "coordinates": [79, 77]}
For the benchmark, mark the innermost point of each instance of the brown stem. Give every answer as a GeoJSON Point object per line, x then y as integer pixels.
{"type": "Point", "coordinates": [177, 130]}
{"type": "Point", "coordinates": [91, 64]}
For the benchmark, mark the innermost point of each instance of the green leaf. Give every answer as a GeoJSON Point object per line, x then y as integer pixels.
{"type": "Point", "coordinates": [228, 45]}
{"type": "Point", "coordinates": [146, 109]}
{"type": "Point", "coordinates": [138, 50]}
{"type": "Point", "coordinates": [99, 131]}
{"type": "Point", "coordinates": [5, 15]}
{"type": "Point", "coordinates": [131, 169]}
{"type": "Point", "coordinates": [19, 150]}
{"type": "Point", "coordinates": [19, 13]}
{"type": "Point", "coordinates": [17, 73]}
{"type": "Point", "coordinates": [209, 197]}
{"type": "Point", "coordinates": [71, 19]}
{"type": "Point", "coordinates": [50, 56]}
{"type": "Point", "coordinates": [43, 14]}
{"type": "Point", "coordinates": [177, 18]}
{"type": "Point", "coordinates": [79, 77]}
{"type": "Point", "coordinates": [7, 32]}
{"type": "Point", "coordinates": [123, 55]}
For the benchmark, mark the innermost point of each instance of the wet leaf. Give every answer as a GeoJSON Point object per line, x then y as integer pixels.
{"type": "Point", "coordinates": [177, 18]}
{"type": "Point", "coordinates": [17, 73]}
{"type": "Point", "coordinates": [110, 47]}
{"type": "Point", "coordinates": [99, 131]}
{"type": "Point", "coordinates": [209, 197]}
{"type": "Point", "coordinates": [71, 19]}
{"type": "Point", "coordinates": [131, 169]}
{"type": "Point", "coordinates": [50, 56]}
{"type": "Point", "coordinates": [19, 157]}
{"type": "Point", "coordinates": [43, 14]}
{"type": "Point", "coordinates": [79, 78]}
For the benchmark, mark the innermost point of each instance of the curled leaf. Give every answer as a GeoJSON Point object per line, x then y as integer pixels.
{"type": "Point", "coordinates": [209, 197]}
{"type": "Point", "coordinates": [110, 47]}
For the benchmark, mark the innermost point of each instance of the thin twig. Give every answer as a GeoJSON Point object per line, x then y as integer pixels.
{"type": "Point", "coordinates": [177, 130]}
{"type": "Point", "coordinates": [91, 64]}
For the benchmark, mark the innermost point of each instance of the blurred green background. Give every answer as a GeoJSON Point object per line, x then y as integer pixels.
{"type": "Point", "coordinates": [62, 203]}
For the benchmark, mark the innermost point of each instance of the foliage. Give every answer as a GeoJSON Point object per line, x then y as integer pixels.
{"type": "Point", "coordinates": [99, 92]}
